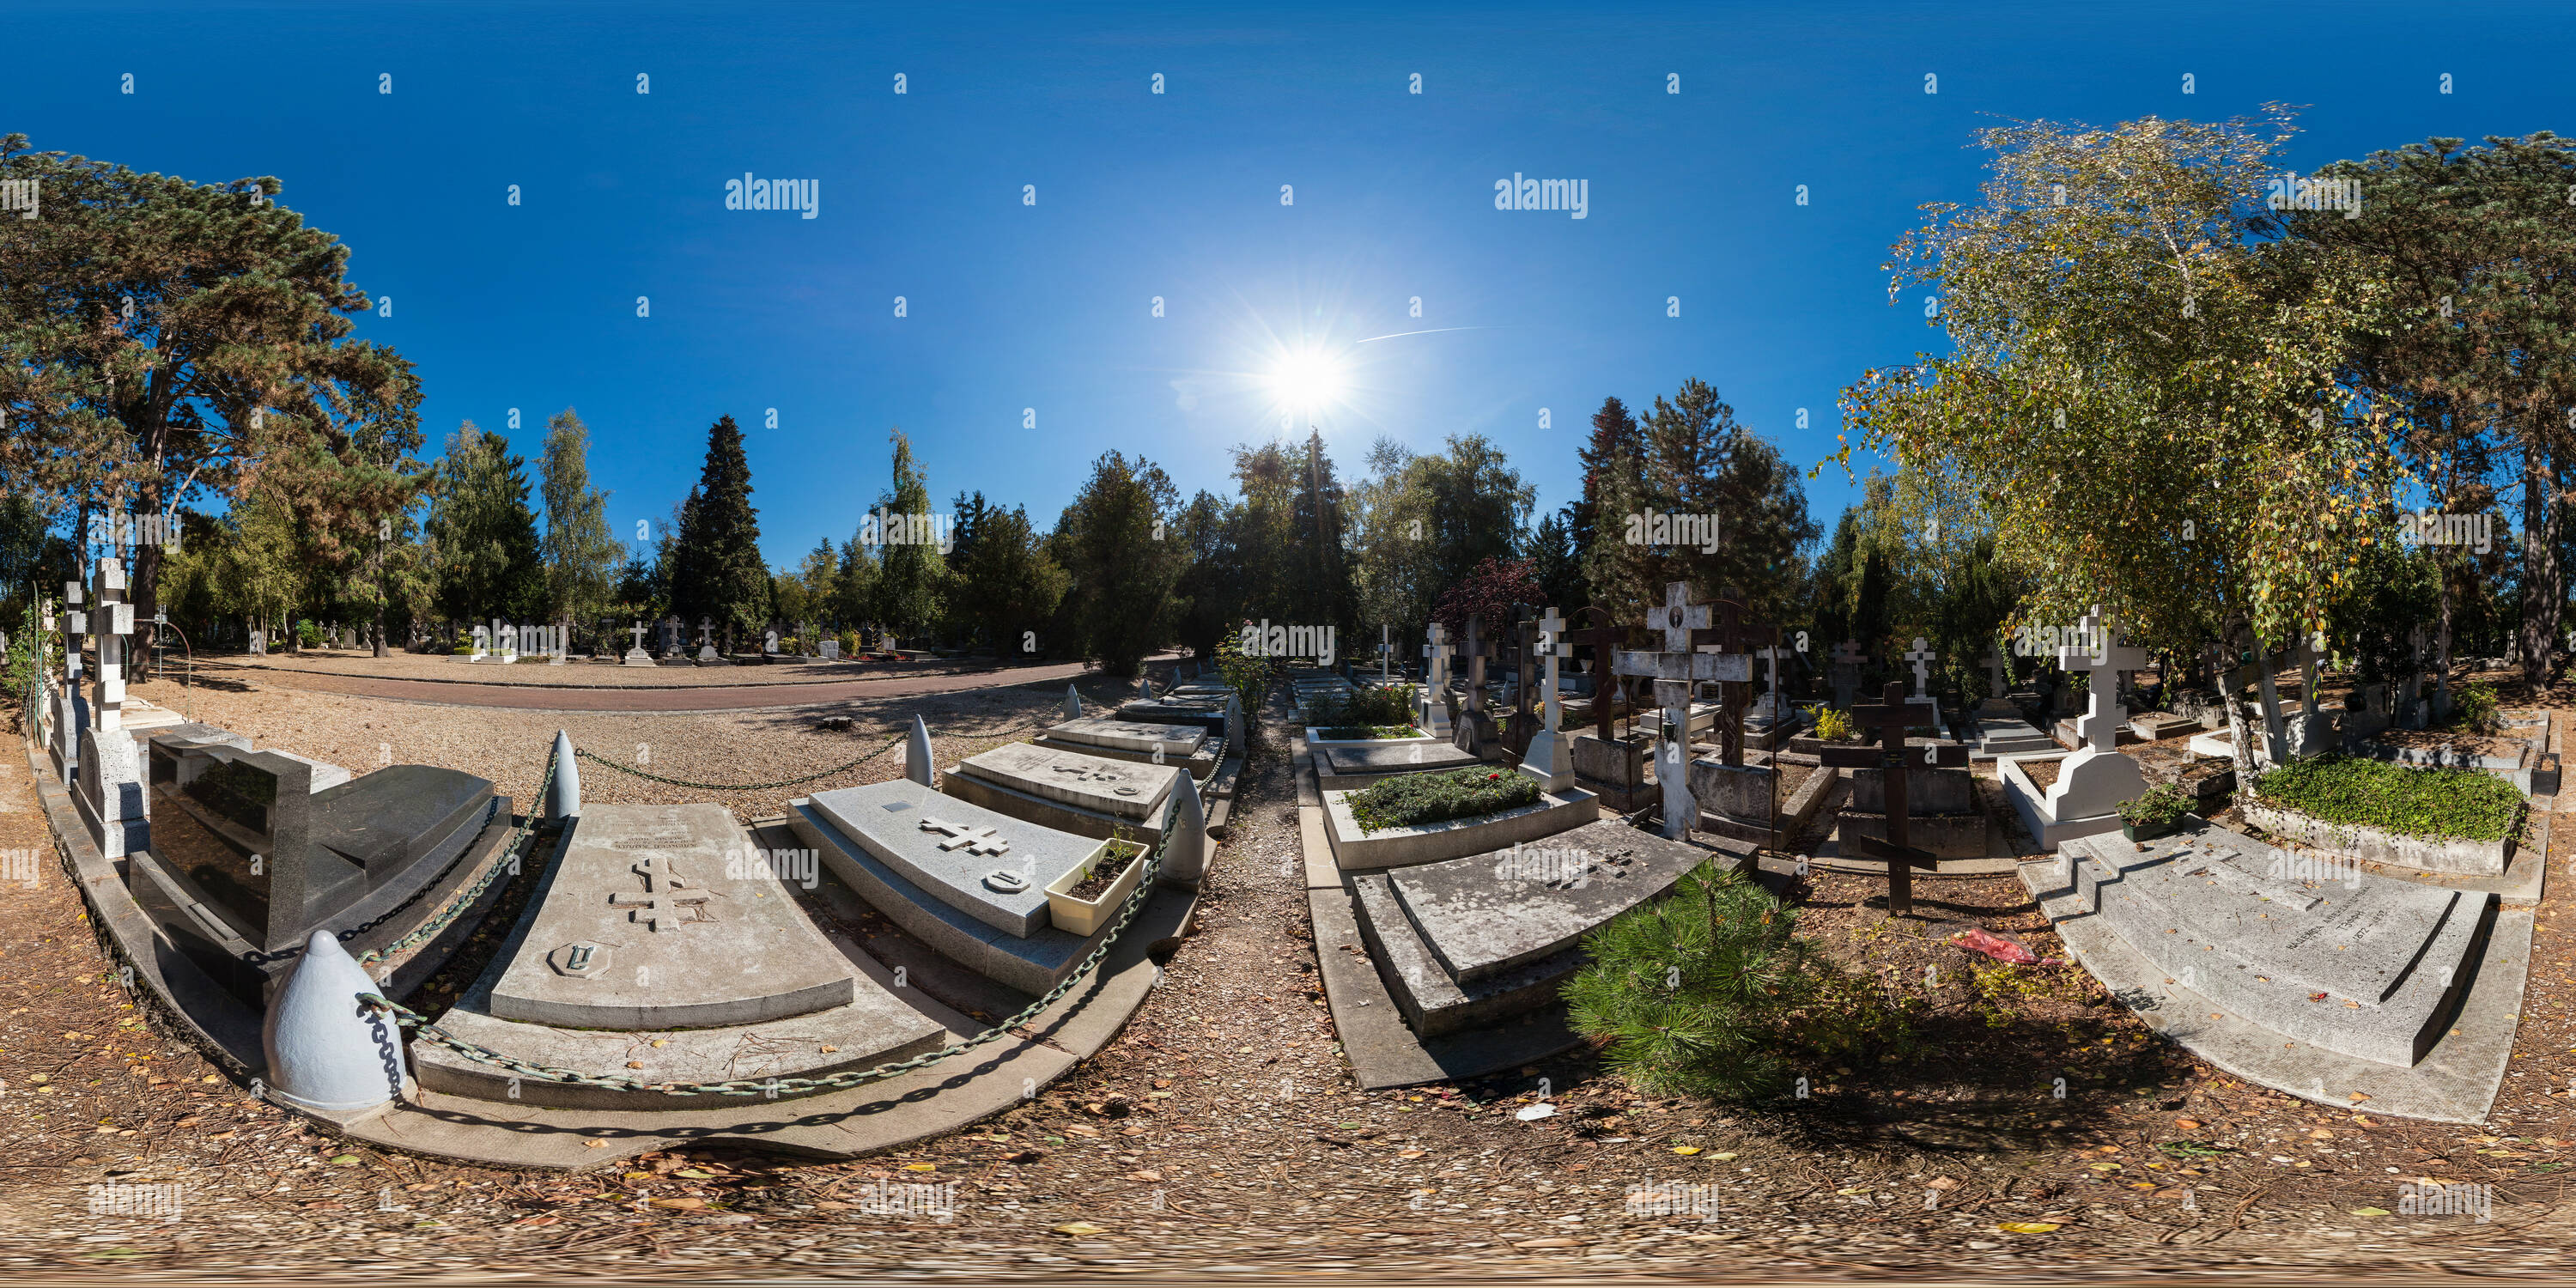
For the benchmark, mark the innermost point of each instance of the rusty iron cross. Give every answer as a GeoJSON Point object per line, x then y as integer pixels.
{"type": "Point", "coordinates": [1888, 719]}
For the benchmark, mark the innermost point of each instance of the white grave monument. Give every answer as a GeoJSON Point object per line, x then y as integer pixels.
{"type": "Point", "coordinates": [635, 654]}
{"type": "Point", "coordinates": [707, 640]}
{"type": "Point", "coordinates": [111, 774]}
{"type": "Point", "coordinates": [1550, 758]}
{"type": "Point", "coordinates": [2093, 781]}
{"type": "Point", "coordinates": [1677, 672]}
{"type": "Point", "coordinates": [1434, 703]}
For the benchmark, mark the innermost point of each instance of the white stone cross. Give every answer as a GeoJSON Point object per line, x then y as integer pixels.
{"type": "Point", "coordinates": [974, 840]}
{"type": "Point", "coordinates": [1553, 646]}
{"type": "Point", "coordinates": [706, 632]}
{"type": "Point", "coordinates": [1677, 618]}
{"type": "Point", "coordinates": [638, 632]}
{"type": "Point", "coordinates": [2100, 727]}
{"type": "Point", "coordinates": [1921, 656]}
{"type": "Point", "coordinates": [110, 620]}
{"type": "Point", "coordinates": [1438, 650]}
{"type": "Point", "coordinates": [648, 909]}
{"type": "Point", "coordinates": [1994, 664]}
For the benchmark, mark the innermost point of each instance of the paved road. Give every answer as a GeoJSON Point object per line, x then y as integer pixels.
{"type": "Point", "coordinates": [722, 697]}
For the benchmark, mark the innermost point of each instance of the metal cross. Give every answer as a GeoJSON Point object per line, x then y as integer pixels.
{"type": "Point", "coordinates": [1604, 639]}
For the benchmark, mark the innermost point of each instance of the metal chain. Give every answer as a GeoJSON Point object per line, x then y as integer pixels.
{"type": "Point", "coordinates": [1136, 900]}
{"type": "Point", "coordinates": [586, 754]}
{"type": "Point", "coordinates": [507, 860]}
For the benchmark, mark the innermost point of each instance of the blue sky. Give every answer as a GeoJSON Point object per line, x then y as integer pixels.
{"type": "Point", "coordinates": [1046, 309]}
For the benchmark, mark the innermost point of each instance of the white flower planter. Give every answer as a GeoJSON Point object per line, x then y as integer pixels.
{"type": "Point", "coordinates": [1086, 916]}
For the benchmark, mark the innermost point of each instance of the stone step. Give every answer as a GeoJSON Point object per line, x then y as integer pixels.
{"type": "Point", "coordinates": [2246, 925]}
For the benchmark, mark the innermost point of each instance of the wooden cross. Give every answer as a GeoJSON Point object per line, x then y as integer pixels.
{"type": "Point", "coordinates": [1735, 636]}
{"type": "Point", "coordinates": [1603, 639]}
{"type": "Point", "coordinates": [1894, 758]}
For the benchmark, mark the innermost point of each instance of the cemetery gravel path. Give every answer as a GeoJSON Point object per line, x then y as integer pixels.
{"type": "Point", "coordinates": [669, 699]}
{"type": "Point", "coordinates": [1218, 1139]}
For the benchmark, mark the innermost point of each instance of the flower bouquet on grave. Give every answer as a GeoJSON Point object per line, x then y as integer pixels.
{"type": "Point", "coordinates": [2154, 812]}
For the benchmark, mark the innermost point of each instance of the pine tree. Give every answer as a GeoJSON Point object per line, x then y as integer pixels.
{"type": "Point", "coordinates": [909, 571]}
{"type": "Point", "coordinates": [1105, 541]}
{"type": "Point", "coordinates": [484, 533]}
{"type": "Point", "coordinates": [1614, 435]}
{"type": "Point", "coordinates": [721, 575]}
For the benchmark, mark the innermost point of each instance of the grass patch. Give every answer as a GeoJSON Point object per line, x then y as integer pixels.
{"type": "Point", "coordinates": [2433, 803]}
{"type": "Point", "coordinates": [1337, 733]}
{"type": "Point", "coordinates": [1709, 993]}
{"type": "Point", "coordinates": [1411, 800]}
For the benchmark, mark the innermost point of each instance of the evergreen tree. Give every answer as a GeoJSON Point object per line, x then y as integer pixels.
{"type": "Point", "coordinates": [909, 571]}
{"type": "Point", "coordinates": [1694, 461]}
{"type": "Point", "coordinates": [1614, 437]}
{"type": "Point", "coordinates": [1106, 543]}
{"type": "Point", "coordinates": [720, 574]}
{"type": "Point", "coordinates": [1556, 562]}
{"type": "Point", "coordinates": [581, 557]}
{"type": "Point", "coordinates": [1006, 587]}
{"type": "Point", "coordinates": [484, 534]}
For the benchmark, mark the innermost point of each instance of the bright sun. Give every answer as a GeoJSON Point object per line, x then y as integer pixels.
{"type": "Point", "coordinates": [1307, 380]}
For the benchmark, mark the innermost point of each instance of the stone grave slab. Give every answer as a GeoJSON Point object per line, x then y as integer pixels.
{"type": "Point", "coordinates": [1487, 913]}
{"type": "Point", "coordinates": [2007, 735]}
{"type": "Point", "coordinates": [1199, 715]}
{"type": "Point", "coordinates": [651, 919]}
{"type": "Point", "coordinates": [1121, 789]}
{"type": "Point", "coordinates": [1133, 738]}
{"type": "Point", "coordinates": [2155, 725]}
{"type": "Point", "coordinates": [1364, 760]}
{"type": "Point", "coordinates": [2328, 954]}
{"type": "Point", "coordinates": [968, 862]}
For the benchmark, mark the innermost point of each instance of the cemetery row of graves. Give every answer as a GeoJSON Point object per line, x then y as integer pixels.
{"type": "Point", "coordinates": [2325, 891]}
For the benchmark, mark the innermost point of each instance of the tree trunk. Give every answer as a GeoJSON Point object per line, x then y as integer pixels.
{"type": "Point", "coordinates": [2543, 581]}
{"type": "Point", "coordinates": [2442, 641]}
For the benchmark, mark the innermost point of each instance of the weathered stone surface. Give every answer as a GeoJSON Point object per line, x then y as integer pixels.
{"type": "Point", "coordinates": [1621, 762]}
{"type": "Point", "coordinates": [1121, 788]}
{"type": "Point", "coordinates": [1485, 914]}
{"type": "Point", "coordinates": [1342, 759]}
{"type": "Point", "coordinates": [2263, 932]}
{"type": "Point", "coordinates": [1741, 792]}
{"type": "Point", "coordinates": [887, 820]}
{"type": "Point", "coordinates": [655, 917]}
{"type": "Point", "coordinates": [2447, 854]}
{"type": "Point", "coordinates": [1121, 735]}
{"type": "Point", "coordinates": [2153, 725]}
{"type": "Point", "coordinates": [1928, 790]}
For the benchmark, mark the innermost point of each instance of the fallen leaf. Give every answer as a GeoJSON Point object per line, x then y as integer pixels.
{"type": "Point", "coordinates": [1728, 1157]}
{"type": "Point", "coordinates": [2187, 1124]}
{"type": "Point", "coordinates": [2028, 1227]}
{"type": "Point", "coordinates": [683, 1204]}
{"type": "Point", "coordinates": [921, 1167]}
{"type": "Point", "coordinates": [1548, 1243]}
{"type": "Point", "coordinates": [1411, 1153]}
{"type": "Point", "coordinates": [1144, 1176]}
{"type": "Point", "coordinates": [694, 1174]}
{"type": "Point", "coordinates": [2370, 1211]}
{"type": "Point", "coordinates": [1079, 1229]}
{"type": "Point", "coordinates": [1685, 1150]}
{"type": "Point", "coordinates": [1078, 1129]}
{"type": "Point", "coordinates": [1942, 1183]}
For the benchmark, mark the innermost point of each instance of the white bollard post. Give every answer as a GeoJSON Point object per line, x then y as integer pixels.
{"type": "Point", "coordinates": [327, 1053]}
{"type": "Point", "coordinates": [1233, 725]}
{"type": "Point", "coordinates": [916, 756]}
{"type": "Point", "coordinates": [1072, 704]}
{"type": "Point", "coordinates": [563, 800]}
{"type": "Point", "coordinates": [1185, 860]}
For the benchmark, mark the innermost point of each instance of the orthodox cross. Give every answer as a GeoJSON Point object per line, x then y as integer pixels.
{"type": "Point", "coordinates": [1552, 647]}
{"type": "Point", "coordinates": [1921, 656]}
{"type": "Point", "coordinates": [1847, 660]}
{"type": "Point", "coordinates": [1524, 658]}
{"type": "Point", "coordinates": [1604, 639]}
{"type": "Point", "coordinates": [1677, 670]}
{"type": "Point", "coordinates": [2103, 715]}
{"type": "Point", "coordinates": [706, 632]}
{"type": "Point", "coordinates": [1772, 655]}
{"type": "Point", "coordinates": [1894, 760]}
{"type": "Point", "coordinates": [1476, 652]}
{"type": "Point", "coordinates": [648, 910]}
{"type": "Point", "coordinates": [1437, 651]}
{"type": "Point", "coordinates": [1734, 636]}
{"type": "Point", "coordinates": [974, 840]}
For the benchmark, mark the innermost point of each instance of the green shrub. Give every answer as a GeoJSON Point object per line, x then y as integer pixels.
{"type": "Point", "coordinates": [307, 635]}
{"type": "Point", "coordinates": [1835, 725]}
{"type": "Point", "coordinates": [2477, 708]}
{"type": "Point", "coordinates": [1339, 732]}
{"type": "Point", "coordinates": [1411, 800]}
{"type": "Point", "coordinates": [2158, 806]}
{"type": "Point", "coordinates": [1390, 705]}
{"type": "Point", "coordinates": [1707, 992]}
{"type": "Point", "coordinates": [2435, 803]}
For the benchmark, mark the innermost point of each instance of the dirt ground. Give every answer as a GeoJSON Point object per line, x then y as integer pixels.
{"type": "Point", "coordinates": [1219, 1136]}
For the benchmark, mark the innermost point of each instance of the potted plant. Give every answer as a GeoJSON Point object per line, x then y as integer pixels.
{"type": "Point", "coordinates": [1083, 900]}
{"type": "Point", "coordinates": [2154, 812]}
